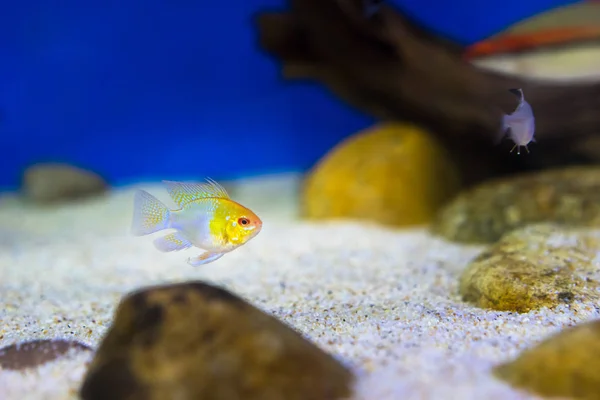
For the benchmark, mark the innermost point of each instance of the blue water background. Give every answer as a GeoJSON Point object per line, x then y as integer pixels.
{"type": "Point", "coordinates": [146, 89]}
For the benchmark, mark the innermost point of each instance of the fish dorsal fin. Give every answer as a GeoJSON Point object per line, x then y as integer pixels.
{"type": "Point", "coordinates": [520, 95]}
{"type": "Point", "coordinates": [183, 193]}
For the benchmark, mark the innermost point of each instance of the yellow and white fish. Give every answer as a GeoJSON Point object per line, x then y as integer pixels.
{"type": "Point", "coordinates": [207, 219]}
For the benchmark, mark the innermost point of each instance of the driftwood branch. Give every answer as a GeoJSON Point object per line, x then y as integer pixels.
{"type": "Point", "coordinates": [393, 69]}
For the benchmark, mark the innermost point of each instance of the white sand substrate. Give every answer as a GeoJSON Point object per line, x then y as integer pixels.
{"type": "Point", "coordinates": [384, 301]}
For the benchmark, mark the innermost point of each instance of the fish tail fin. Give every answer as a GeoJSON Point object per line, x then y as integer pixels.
{"type": "Point", "coordinates": [502, 131]}
{"type": "Point", "coordinates": [149, 214]}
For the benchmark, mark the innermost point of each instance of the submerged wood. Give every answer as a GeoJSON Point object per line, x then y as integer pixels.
{"type": "Point", "coordinates": [389, 67]}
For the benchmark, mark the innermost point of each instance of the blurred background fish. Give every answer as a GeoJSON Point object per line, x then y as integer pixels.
{"type": "Point", "coordinates": [520, 124]}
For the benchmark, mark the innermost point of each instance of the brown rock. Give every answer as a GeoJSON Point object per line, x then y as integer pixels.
{"type": "Point", "coordinates": [393, 174]}
{"type": "Point", "coordinates": [565, 365]}
{"type": "Point", "coordinates": [34, 353]}
{"type": "Point", "coordinates": [538, 266]}
{"type": "Point", "coordinates": [196, 341]}
{"type": "Point", "coordinates": [569, 196]}
{"type": "Point", "coordinates": [49, 182]}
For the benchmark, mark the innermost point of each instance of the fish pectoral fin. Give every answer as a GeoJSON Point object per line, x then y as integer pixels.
{"type": "Point", "coordinates": [204, 258]}
{"type": "Point", "coordinates": [172, 242]}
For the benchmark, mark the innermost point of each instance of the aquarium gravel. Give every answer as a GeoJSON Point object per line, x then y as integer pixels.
{"type": "Point", "coordinates": [383, 301]}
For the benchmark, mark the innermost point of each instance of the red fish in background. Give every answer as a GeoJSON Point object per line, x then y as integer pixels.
{"type": "Point", "coordinates": [555, 30]}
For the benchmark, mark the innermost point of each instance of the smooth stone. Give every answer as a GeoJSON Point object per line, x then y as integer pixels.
{"type": "Point", "coordinates": [481, 215]}
{"type": "Point", "coordinates": [537, 266]}
{"type": "Point", "coordinates": [197, 341]}
{"type": "Point", "coordinates": [392, 174]}
{"type": "Point", "coordinates": [32, 354]}
{"type": "Point", "coordinates": [53, 182]}
{"type": "Point", "coordinates": [565, 365]}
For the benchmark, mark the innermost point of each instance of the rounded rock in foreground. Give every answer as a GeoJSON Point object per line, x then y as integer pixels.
{"type": "Point", "coordinates": [537, 266]}
{"type": "Point", "coordinates": [53, 182]}
{"type": "Point", "coordinates": [197, 341]}
{"type": "Point", "coordinates": [32, 354]}
{"type": "Point", "coordinates": [569, 196]}
{"type": "Point", "coordinates": [565, 365]}
{"type": "Point", "coordinates": [393, 174]}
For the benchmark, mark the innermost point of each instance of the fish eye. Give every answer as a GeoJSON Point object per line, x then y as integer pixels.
{"type": "Point", "coordinates": [243, 221]}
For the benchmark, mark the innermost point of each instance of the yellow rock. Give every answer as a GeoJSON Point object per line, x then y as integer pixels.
{"type": "Point", "coordinates": [565, 365]}
{"type": "Point", "coordinates": [394, 174]}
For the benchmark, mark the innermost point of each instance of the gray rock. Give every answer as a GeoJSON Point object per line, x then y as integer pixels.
{"type": "Point", "coordinates": [50, 182]}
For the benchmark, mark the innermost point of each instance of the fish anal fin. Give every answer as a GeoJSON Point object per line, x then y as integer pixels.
{"type": "Point", "coordinates": [172, 242]}
{"type": "Point", "coordinates": [183, 193]}
{"type": "Point", "coordinates": [204, 258]}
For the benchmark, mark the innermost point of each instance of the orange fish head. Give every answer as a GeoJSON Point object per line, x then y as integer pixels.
{"type": "Point", "coordinates": [244, 225]}
{"type": "Point", "coordinates": [250, 222]}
